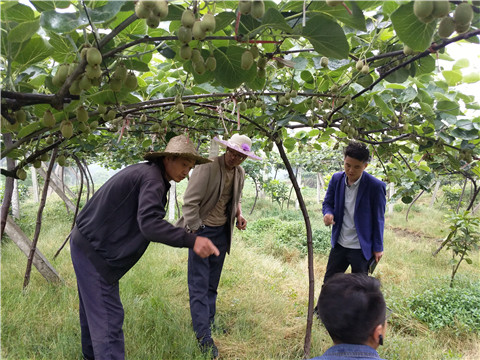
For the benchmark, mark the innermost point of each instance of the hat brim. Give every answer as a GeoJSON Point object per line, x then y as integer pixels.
{"type": "Point", "coordinates": [198, 159]}
{"type": "Point", "coordinates": [237, 148]}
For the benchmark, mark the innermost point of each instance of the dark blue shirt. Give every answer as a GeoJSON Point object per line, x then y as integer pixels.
{"type": "Point", "coordinates": [349, 351]}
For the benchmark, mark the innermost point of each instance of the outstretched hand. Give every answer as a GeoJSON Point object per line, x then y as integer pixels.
{"type": "Point", "coordinates": [203, 247]}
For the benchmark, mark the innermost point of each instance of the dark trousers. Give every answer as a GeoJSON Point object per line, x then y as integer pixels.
{"type": "Point", "coordinates": [203, 279]}
{"type": "Point", "coordinates": [101, 311]}
{"type": "Point", "coordinates": [340, 258]}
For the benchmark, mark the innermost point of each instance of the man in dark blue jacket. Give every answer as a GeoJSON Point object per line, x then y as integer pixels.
{"type": "Point", "coordinates": [355, 205]}
{"type": "Point", "coordinates": [111, 234]}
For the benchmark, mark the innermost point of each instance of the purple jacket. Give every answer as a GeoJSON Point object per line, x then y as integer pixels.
{"type": "Point", "coordinates": [369, 210]}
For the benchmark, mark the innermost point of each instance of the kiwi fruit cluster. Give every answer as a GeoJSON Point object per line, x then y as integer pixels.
{"type": "Point", "coordinates": [90, 77]}
{"type": "Point", "coordinates": [153, 11]}
{"type": "Point", "coordinates": [256, 8]}
{"type": "Point", "coordinates": [348, 129]}
{"type": "Point", "coordinates": [427, 11]}
{"type": "Point", "coordinates": [122, 78]}
{"type": "Point", "coordinates": [362, 67]}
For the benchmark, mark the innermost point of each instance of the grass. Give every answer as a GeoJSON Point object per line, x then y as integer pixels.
{"type": "Point", "coordinates": [263, 293]}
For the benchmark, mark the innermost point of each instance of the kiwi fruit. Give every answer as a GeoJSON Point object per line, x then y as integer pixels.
{"type": "Point", "coordinates": [324, 62]}
{"type": "Point", "coordinates": [446, 27]}
{"type": "Point", "coordinates": [208, 22]}
{"type": "Point", "coordinates": [61, 160]}
{"type": "Point", "coordinates": [160, 9]}
{"type": "Point", "coordinates": [184, 34]}
{"type": "Point", "coordinates": [255, 52]}
{"type": "Point", "coordinates": [186, 52]}
{"type": "Point", "coordinates": [199, 66]}
{"type": "Point", "coordinates": [131, 81]}
{"type": "Point", "coordinates": [262, 63]}
{"type": "Point", "coordinates": [359, 65]}
{"type": "Point", "coordinates": [21, 174]}
{"type": "Point", "coordinates": [120, 72]}
{"type": "Point", "coordinates": [62, 73]}
{"type": "Point", "coordinates": [84, 83]}
{"type": "Point", "coordinates": [258, 9]}
{"type": "Point", "coordinates": [75, 88]}
{"type": "Point", "coordinates": [197, 31]}
{"type": "Point", "coordinates": [188, 18]}
{"type": "Point", "coordinates": [441, 8]}
{"type": "Point", "coordinates": [461, 28]}
{"type": "Point", "coordinates": [245, 6]}
{"type": "Point", "coordinates": [261, 73]}
{"type": "Point", "coordinates": [94, 56]}
{"type": "Point", "coordinates": [48, 119]}
{"type": "Point", "coordinates": [20, 116]}
{"type": "Point", "coordinates": [422, 8]}
{"type": "Point", "coordinates": [116, 84]}
{"type": "Point", "coordinates": [66, 128]}
{"type": "Point", "coordinates": [82, 114]}
{"type": "Point", "coordinates": [246, 60]}
{"type": "Point", "coordinates": [153, 21]}
{"type": "Point", "coordinates": [211, 63]}
{"type": "Point", "coordinates": [463, 14]}
{"type": "Point", "coordinates": [407, 50]}
{"type": "Point", "coordinates": [141, 10]}
{"type": "Point", "coordinates": [93, 72]}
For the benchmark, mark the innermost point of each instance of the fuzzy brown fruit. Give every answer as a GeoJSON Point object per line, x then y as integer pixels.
{"type": "Point", "coordinates": [463, 14]}
{"type": "Point", "coordinates": [245, 6]}
{"type": "Point", "coordinates": [197, 31]}
{"type": "Point", "coordinates": [131, 81]}
{"type": "Point", "coordinates": [186, 52]}
{"type": "Point", "coordinates": [208, 22]}
{"type": "Point", "coordinates": [21, 174]}
{"type": "Point", "coordinates": [446, 27]}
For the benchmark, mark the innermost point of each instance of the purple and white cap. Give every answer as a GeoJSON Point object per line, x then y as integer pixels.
{"type": "Point", "coordinates": [240, 143]}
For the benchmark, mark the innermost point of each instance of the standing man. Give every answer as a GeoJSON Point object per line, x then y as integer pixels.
{"type": "Point", "coordinates": [355, 205]}
{"type": "Point", "coordinates": [112, 232]}
{"type": "Point", "coordinates": [212, 204]}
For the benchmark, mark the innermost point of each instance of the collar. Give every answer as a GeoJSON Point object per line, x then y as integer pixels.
{"type": "Point", "coordinates": [355, 183]}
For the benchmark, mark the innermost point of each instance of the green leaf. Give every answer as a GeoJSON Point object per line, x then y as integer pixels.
{"type": "Point", "coordinates": [274, 20]}
{"type": "Point", "coordinates": [223, 19]}
{"type": "Point", "coordinates": [471, 78]}
{"type": "Point", "coordinates": [466, 134]}
{"type": "Point", "coordinates": [23, 31]}
{"type": "Point", "coordinates": [411, 31]}
{"type": "Point", "coordinates": [35, 50]}
{"type": "Point", "coordinates": [407, 95]}
{"type": "Point", "coordinates": [399, 76]}
{"type": "Point", "coordinates": [382, 105]}
{"type": "Point", "coordinates": [45, 5]}
{"type": "Point", "coordinates": [461, 64]}
{"type": "Point", "coordinates": [62, 48]}
{"type": "Point", "coordinates": [30, 128]}
{"type": "Point", "coordinates": [132, 64]}
{"type": "Point", "coordinates": [453, 77]}
{"type": "Point", "coordinates": [16, 13]}
{"type": "Point", "coordinates": [425, 65]}
{"type": "Point", "coordinates": [229, 72]}
{"type": "Point", "coordinates": [448, 107]}
{"type": "Point", "coordinates": [289, 143]}
{"type": "Point", "coordinates": [326, 36]}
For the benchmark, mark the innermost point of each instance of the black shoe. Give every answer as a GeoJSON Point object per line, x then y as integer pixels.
{"type": "Point", "coordinates": [207, 346]}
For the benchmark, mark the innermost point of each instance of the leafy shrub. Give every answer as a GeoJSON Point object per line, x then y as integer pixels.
{"type": "Point", "coordinates": [288, 234]}
{"type": "Point", "coordinates": [448, 307]}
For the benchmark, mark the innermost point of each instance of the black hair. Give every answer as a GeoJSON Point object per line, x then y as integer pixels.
{"type": "Point", "coordinates": [357, 150]}
{"type": "Point", "coordinates": [351, 306]}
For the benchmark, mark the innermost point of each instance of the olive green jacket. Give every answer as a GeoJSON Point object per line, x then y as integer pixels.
{"type": "Point", "coordinates": [203, 192]}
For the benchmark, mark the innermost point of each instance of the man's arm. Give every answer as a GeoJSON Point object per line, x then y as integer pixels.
{"type": "Point", "coordinates": [194, 194]}
{"type": "Point", "coordinates": [379, 219]}
{"type": "Point", "coordinates": [328, 205]}
{"type": "Point", "coordinates": [241, 221]}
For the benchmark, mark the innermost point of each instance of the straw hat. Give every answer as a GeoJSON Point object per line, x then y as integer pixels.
{"type": "Point", "coordinates": [179, 146]}
{"type": "Point", "coordinates": [240, 143]}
